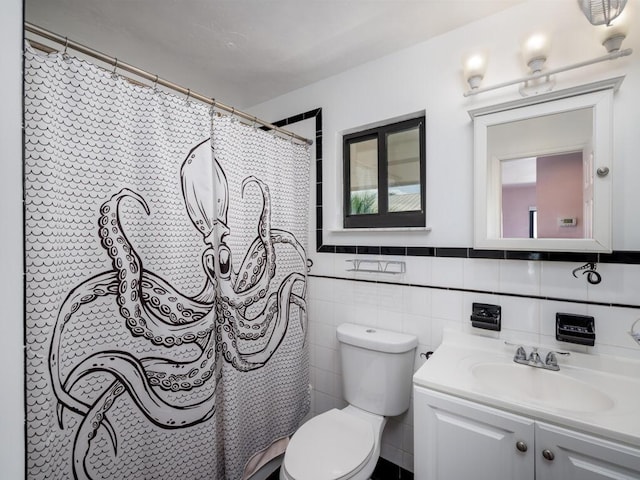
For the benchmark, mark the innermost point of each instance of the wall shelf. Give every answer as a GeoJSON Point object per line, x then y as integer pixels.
{"type": "Point", "coordinates": [392, 267]}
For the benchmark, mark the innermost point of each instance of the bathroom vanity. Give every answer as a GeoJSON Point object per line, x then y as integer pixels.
{"type": "Point", "coordinates": [479, 415]}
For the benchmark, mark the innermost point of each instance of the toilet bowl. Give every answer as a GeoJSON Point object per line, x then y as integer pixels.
{"type": "Point", "coordinates": [345, 444]}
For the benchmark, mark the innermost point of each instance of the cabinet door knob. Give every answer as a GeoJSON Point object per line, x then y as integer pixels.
{"type": "Point", "coordinates": [521, 446]}
{"type": "Point", "coordinates": [548, 454]}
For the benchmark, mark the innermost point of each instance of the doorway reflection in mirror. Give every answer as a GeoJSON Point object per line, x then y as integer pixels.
{"type": "Point", "coordinates": [545, 197]}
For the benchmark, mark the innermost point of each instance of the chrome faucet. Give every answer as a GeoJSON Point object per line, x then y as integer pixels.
{"type": "Point", "coordinates": [534, 360]}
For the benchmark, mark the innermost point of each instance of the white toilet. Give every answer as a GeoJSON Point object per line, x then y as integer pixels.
{"type": "Point", "coordinates": [345, 444]}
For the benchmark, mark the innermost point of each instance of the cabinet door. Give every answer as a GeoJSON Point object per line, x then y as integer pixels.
{"type": "Point", "coordinates": [455, 439]}
{"type": "Point", "coordinates": [577, 456]}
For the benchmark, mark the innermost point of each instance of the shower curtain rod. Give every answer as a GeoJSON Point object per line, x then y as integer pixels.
{"type": "Point", "coordinates": [117, 64]}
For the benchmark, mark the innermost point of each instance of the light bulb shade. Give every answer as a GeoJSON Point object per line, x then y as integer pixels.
{"type": "Point", "coordinates": [474, 68]}
{"type": "Point", "coordinates": [613, 34]}
{"type": "Point", "coordinates": [613, 43]}
{"type": "Point", "coordinates": [601, 12]}
{"type": "Point", "coordinates": [536, 50]}
{"type": "Point", "coordinates": [474, 81]}
{"type": "Point", "coordinates": [475, 65]}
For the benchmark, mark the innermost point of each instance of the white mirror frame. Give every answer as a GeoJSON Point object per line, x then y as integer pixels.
{"type": "Point", "coordinates": [487, 204]}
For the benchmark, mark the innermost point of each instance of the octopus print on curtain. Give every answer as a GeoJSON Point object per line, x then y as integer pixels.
{"type": "Point", "coordinates": [166, 281]}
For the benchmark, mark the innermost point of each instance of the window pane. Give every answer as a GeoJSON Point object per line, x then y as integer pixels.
{"type": "Point", "coordinates": [403, 153]}
{"type": "Point", "coordinates": [364, 177]}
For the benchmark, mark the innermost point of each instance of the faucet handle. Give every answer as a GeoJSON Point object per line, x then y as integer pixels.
{"type": "Point", "coordinates": [520, 351]}
{"type": "Point", "coordinates": [521, 354]}
{"type": "Point", "coordinates": [551, 359]}
{"type": "Point", "coordinates": [557, 352]}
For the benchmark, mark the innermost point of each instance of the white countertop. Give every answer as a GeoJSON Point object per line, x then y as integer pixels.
{"type": "Point", "coordinates": [613, 383]}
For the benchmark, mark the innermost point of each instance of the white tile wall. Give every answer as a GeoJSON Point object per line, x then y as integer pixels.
{"type": "Point", "coordinates": [519, 276]}
{"type": "Point", "coordinates": [481, 274]}
{"type": "Point", "coordinates": [557, 281]}
{"type": "Point", "coordinates": [443, 300]}
{"type": "Point", "coordinates": [447, 272]}
{"type": "Point", "coordinates": [620, 284]}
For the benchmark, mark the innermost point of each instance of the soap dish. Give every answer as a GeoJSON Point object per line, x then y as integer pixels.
{"type": "Point", "coordinates": [572, 328]}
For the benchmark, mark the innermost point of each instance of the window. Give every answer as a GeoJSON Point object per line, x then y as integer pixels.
{"type": "Point", "coordinates": [384, 171]}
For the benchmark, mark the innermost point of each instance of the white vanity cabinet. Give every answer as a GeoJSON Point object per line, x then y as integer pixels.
{"type": "Point", "coordinates": [564, 454]}
{"type": "Point", "coordinates": [458, 439]}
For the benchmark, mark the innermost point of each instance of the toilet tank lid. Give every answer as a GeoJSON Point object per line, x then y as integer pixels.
{"type": "Point", "coordinates": [375, 338]}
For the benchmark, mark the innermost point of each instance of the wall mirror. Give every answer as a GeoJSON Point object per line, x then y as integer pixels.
{"type": "Point", "coordinates": [542, 171]}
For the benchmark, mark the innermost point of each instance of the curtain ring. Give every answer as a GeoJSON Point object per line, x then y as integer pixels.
{"type": "Point", "coordinates": [66, 44]}
{"type": "Point", "coordinates": [114, 74]}
{"type": "Point", "coordinates": [255, 123]}
{"type": "Point", "coordinates": [155, 83]}
{"type": "Point", "coordinates": [212, 107]}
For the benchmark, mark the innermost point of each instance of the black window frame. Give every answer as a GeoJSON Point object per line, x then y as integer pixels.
{"type": "Point", "coordinates": [384, 218]}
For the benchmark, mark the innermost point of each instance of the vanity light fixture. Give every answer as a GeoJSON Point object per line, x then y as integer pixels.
{"type": "Point", "coordinates": [607, 14]}
{"type": "Point", "coordinates": [539, 80]}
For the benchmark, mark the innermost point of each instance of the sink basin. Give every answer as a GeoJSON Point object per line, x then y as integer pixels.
{"type": "Point", "coordinates": [527, 384]}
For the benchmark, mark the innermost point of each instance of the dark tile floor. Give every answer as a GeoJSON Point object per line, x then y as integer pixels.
{"type": "Point", "coordinates": [274, 475]}
{"type": "Point", "coordinates": [385, 470]}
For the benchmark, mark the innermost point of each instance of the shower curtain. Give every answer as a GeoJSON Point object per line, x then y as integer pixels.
{"type": "Point", "coordinates": [165, 279]}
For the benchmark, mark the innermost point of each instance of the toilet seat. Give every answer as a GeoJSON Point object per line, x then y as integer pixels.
{"type": "Point", "coordinates": [342, 445]}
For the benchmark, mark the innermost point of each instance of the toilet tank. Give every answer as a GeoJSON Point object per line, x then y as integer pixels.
{"type": "Point", "coordinates": [377, 367]}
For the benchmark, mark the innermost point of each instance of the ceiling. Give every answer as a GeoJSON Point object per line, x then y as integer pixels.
{"type": "Point", "coordinates": [244, 52]}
